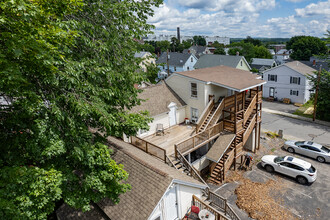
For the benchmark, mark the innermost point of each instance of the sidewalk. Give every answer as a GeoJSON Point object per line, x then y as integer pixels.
{"type": "Point", "coordinates": [296, 117]}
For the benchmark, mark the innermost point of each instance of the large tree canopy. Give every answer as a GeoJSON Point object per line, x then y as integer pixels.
{"type": "Point", "coordinates": [306, 46]}
{"type": "Point", "coordinates": [66, 66]}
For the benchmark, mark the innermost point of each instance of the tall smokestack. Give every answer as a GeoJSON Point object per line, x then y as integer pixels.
{"type": "Point", "coordinates": [178, 33]}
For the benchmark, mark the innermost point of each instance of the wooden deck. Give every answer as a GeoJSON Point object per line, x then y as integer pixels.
{"type": "Point", "coordinates": [172, 135]}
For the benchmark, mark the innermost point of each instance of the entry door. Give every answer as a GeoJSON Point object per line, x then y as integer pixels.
{"type": "Point", "coordinates": [171, 204]}
{"type": "Point", "coordinates": [172, 115]}
{"type": "Point", "coordinates": [271, 92]}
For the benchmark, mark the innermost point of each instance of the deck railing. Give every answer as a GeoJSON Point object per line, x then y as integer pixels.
{"type": "Point", "coordinates": [149, 148]}
{"type": "Point", "coordinates": [204, 114]}
{"type": "Point", "coordinates": [199, 139]}
{"type": "Point", "coordinates": [230, 158]}
{"type": "Point", "coordinates": [222, 204]}
{"type": "Point", "coordinates": [202, 205]}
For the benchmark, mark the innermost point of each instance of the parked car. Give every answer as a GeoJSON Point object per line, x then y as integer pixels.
{"type": "Point", "coordinates": [310, 149]}
{"type": "Point", "coordinates": [301, 170]}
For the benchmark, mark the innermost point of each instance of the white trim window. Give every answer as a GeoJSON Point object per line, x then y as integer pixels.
{"type": "Point", "coordinates": [294, 80]}
{"type": "Point", "coordinates": [294, 92]}
{"type": "Point", "coordinates": [272, 77]}
{"type": "Point", "coordinates": [193, 90]}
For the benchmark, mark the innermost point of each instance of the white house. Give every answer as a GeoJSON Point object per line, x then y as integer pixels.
{"type": "Point", "coordinates": [288, 81]}
{"type": "Point", "coordinates": [282, 55]}
{"type": "Point", "coordinates": [158, 191]}
{"type": "Point", "coordinates": [263, 64]}
{"type": "Point", "coordinates": [178, 62]}
{"type": "Point", "coordinates": [164, 106]}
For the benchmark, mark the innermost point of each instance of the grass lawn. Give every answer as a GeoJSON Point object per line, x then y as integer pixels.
{"type": "Point", "coordinates": [301, 111]}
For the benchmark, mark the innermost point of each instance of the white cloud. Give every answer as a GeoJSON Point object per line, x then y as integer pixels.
{"type": "Point", "coordinates": [320, 8]}
{"type": "Point", "coordinates": [295, 1]}
{"type": "Point", "coordinates": [238, 18]}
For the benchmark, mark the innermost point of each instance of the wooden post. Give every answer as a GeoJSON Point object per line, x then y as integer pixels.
{"type": "Point", "coordinates": [316, 93]}
{"type": "Point", "coordinates": [176, 151]}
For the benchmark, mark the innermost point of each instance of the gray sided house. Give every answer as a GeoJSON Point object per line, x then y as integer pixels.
{"type": "Point", "coordinates": [263, 64]}
{"type": "Point", "coordinates": [178, 62]}
{"type": "Point", "coordinates": [212, 60]}
{"type": "Point", "coordinates": [288, 81]}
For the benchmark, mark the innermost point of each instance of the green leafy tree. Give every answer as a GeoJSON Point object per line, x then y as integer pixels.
{"type": "Point", "coordinates": [174, 44]}
{"type": "Point", "coordinates": [306, 46]}
{"type": "Point", "coordinates": [262, 52]}
{"type": "Point", "coordinates": [216, 44]}
{"type": "Point", "coordinates": [233, 51]}
{"type": "Point", "coordinates": [163, 45]}
{"type": "Point", "coordinates": [187, 43]}
{"type": "Point", "coordinates": [199, 40]}
{"type": "Point", "coordinates": [323, 100]}
{"type": "Point", "coordinates": [146, 47]}
{"type": "Point", "coordinates": [67, 68]}
{"type": "Point", "coordinates": [250, 40]}
{"type": "Point", "coordinates": [220, 50]}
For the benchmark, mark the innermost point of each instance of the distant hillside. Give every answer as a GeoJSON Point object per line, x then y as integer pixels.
{"type": "Point", "coordinates": [264, 40]}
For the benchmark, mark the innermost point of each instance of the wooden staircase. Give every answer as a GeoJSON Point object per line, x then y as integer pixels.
{"type": "Point", "coordinates": [207, 119]}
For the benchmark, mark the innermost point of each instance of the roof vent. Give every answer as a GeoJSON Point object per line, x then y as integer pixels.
{"type": "Point", "coordinates": [181, 61]}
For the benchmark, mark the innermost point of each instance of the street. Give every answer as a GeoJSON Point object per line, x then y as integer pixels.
{"type": "Point", "coordinates": [294, 129]}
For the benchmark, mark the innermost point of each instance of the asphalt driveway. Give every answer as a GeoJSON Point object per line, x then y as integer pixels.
{"type": "Point", "coordinates": [279, 106]}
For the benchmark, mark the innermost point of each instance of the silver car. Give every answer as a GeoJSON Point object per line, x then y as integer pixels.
{"type": "Point", "coordinates": [310, 149]}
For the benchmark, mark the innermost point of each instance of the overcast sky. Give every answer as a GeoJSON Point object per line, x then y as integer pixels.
{"type": "Point", "coordinates": [241, 18]}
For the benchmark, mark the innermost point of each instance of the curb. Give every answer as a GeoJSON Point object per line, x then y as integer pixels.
{"type": "Point", "coordinates": [325, 123]}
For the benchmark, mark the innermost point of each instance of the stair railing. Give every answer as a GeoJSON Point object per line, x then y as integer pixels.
{"type": "Point", "coordinates": [170, 162]}
{"type": "Point", "coordinates": [204, 114]}
{"type": "Point", "coordinates": [249, 129]}
{"type": "Point", "coordinates": [192, 171]}
{"type": "Point", "coordinates": [249, 109]}
{"type": "Point", "coordinates": [222, 204]}
{"type": "Point", "coordinates": [216, 115]}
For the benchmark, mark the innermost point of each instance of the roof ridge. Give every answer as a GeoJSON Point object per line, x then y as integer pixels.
{"type": "Point", "coordinates": [156, 170]}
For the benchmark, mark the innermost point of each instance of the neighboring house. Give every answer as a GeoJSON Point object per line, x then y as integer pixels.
{"type": "Point", "coordinates": [316, 64]}
{"type": "Point", "coordinates": [263, 64]}
{"type": "Point", "coordinates": [198, 51]}
{"type": "Point", "coordinates": [164, 106]}
{"type": "Point", "coordinates": [288, 81]}
{"type": "Point", "coordinates": [147, 59]}
{"type": "Point", "coordinates": [158, 191]}
{"type": "Point", "coordinates": [212, 60]}
{"type": "Point", "coordinates": [271, 51]}
{"type": "Point", "coordinates": [282, 56]}
{"type": "Point", "coordinates": [178, 62]}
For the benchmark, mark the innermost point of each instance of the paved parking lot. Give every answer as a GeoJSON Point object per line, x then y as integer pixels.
{"type": "Point", "coordinates": [303, 201]}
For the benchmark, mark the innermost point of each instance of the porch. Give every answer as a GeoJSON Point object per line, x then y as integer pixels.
{"type": "Point", "coordinates": [172, 136]}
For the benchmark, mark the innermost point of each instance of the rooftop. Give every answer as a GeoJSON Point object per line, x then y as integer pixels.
{"type": "Point", "coordinates": [157, 97]}
{"type": "Point", "coordinates": [175, 59]}
{"type": "Point", "coordinates": [211, 60]}
{"type": "Point", "coordinates": [264, 62]}
{"type": "Point", "coordinates": [224, 76]}
{"type": "Point", "coordinates": [300, 67]}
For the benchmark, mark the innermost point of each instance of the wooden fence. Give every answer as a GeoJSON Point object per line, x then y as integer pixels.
{"type": "Point", "coordinates": [149, 148]}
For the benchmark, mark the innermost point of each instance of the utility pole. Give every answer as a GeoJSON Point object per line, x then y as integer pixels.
{"type": "Point", "coordinates": [317, 92]}
{"type": "Point", "coordinates": [168, 68]}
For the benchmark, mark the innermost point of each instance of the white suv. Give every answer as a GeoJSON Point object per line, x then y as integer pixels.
{"type": "Point", "coordinates": [299, 169]}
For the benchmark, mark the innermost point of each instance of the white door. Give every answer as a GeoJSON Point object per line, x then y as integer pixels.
{"type": "Point", "coordinates": [172, 113]}
{"type": "Point", "coordinates": [171, 204]}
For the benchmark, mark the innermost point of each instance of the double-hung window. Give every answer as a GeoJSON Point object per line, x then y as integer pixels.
{"type": "Point", "coordinates": [294, 92]}
{"type": "Point", "coordinates": [272, 77]}
{"type": "Point", "coordinates": [294, 80]}
{"type": "Point", "coordinates": [193, 90]}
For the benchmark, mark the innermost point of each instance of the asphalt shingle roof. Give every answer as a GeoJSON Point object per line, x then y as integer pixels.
{"type": "Point", "coordinates": [157, 97]}
{"type": "Point", "coordinates": [149, 179]}
{"type": "Point", "coordinates": [263, 62]}
{"type": "Point", "coordinates": [211, 60]}
{"type": "Point", "coordinates": [236, 79]}
{"type": "Point", "coordinates": [300, 67]}
{"type": "Point", "coordinates": [175, 59]}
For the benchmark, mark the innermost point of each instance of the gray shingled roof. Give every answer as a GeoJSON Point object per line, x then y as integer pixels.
{"type": "Point", "coordinates": [211, 60]}
{"type": "Point", "coordinates": [157, 97]}
{"type": "Point", "coordinates": [149, 179]}
{"type": "Point", "coordinates": [263, 62]}
{"type": "Point", "coordinates": [175, 59]}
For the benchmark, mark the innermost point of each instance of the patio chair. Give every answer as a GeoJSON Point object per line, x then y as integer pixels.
{"type": "Point", "coordinates": [159, 129]}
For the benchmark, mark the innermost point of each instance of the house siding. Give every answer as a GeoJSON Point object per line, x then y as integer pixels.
{"type": "Point", "coordinates": [189, 64]}
{"type": "Point", "coordinates": [181, 85]}
{"type": "Point", "coordinates": [283, 86]}
{"type": "Point", "coordinates": [216, 91]}
{"type": "Point", "coordinates": [244, 65]}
